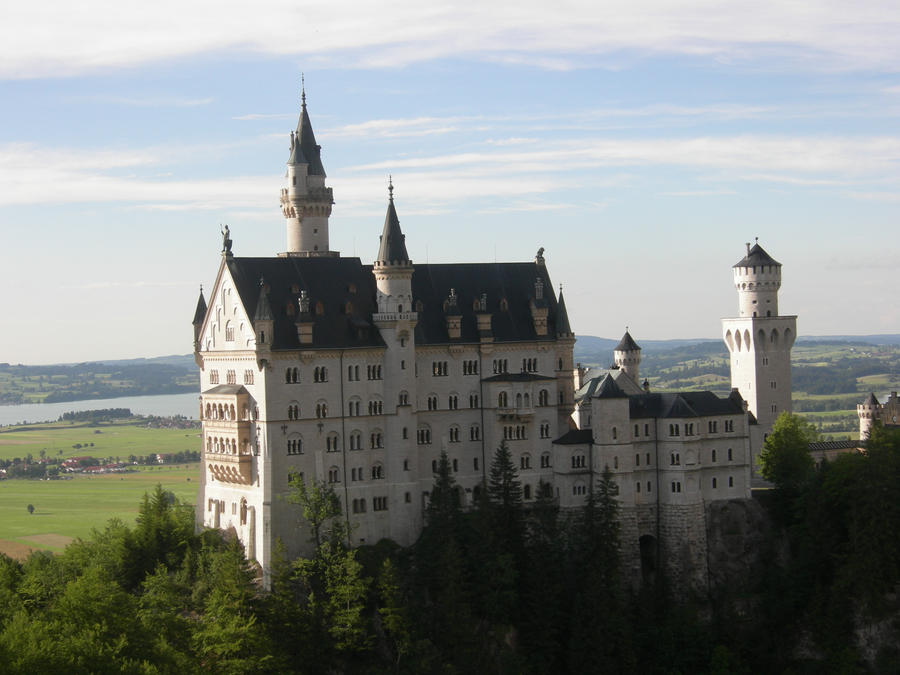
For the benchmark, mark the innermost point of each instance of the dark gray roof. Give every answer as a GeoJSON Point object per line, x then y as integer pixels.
{"type": "Point", "coordinates": [304, 149]}
{"type": "Point", "coordinates": [512, 282]}
{"type": "Point", "coordinates": [562, 317]}
{"type": "Point", "coordinates": [836, 445]}
{"type": "Point", "coordinates": [342, 284]}
{"type": "Point", "coordinates": [757, 256]}
{"type": "Point", "coordinates": [200, 312]}
{"type": "Point", "coordinates": [333, 282]}
{"type": "Point", "coordinates": [575, 437]}
{"type": "Point", "coordinates": [870, 399]}
{"type": "Point", "coordinates": [263, 306]}
{"type": "Point", "coordinates": [627, 344]}
{"type": "Point", "coordinates": [683, 404]}
{"type": "Point", "coordinates": [594, 377]}
{"type": "Point", "coordinates": [517, 377]}
{"type": "Point", "coordinates": [392, 246]}
{"type": "Point", "coordinates": [229, 389]}
{"type": "Point", "coordinates": [609, 389]}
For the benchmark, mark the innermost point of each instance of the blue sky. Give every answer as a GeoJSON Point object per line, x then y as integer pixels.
{"type": "Point", "coordinates": [640, 146]}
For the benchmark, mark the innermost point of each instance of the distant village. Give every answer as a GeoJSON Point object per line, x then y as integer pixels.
{"type": "Point", "coordinates": [47, 467]}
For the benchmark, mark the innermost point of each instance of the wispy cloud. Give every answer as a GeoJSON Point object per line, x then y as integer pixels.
{"type": "Point", "coordinates": [153, 101]}
{"type": "Point", "coordinates": [698, 193]}
{"type": "Point", "coordinates": [57, 39]}
{"type": "Point", "coordinates": [393, 128]}
{"type": "Point", "coordinates": [266, 116]}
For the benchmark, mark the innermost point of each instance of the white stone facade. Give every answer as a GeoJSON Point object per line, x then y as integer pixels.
{"type": "Point", "coordinates": [358, 376]}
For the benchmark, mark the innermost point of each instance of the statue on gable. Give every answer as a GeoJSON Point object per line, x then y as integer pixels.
{"type": "Point", "coordinates": [226, 240]}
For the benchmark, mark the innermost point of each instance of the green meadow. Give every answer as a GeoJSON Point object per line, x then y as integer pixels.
{"type": "Point", "coordinates": [65, 509]}
{"type": "Point", "coordinates": [115, 439]}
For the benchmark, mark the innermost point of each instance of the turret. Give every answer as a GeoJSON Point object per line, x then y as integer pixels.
{"type": "Point", "coordinates": [199, 317]}
{"type": "Point", "coordinates": [627, 356]}
{"type": "Point", "coordinates": [263, 319]}
{"type": "Point", "coordinates": [868, 413]}
{"type": "Point", "coordinates": [757, 278]}
{"type": "Point", "coordinates": [393, 269]}
{"type": "Point", "coordinates": [562, 318]}
{"type": "Point", "coordinates": [306, 201]}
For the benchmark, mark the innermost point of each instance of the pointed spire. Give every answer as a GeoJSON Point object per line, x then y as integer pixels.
{"type": "Point", "coordinates": [392, 249]}
{"type": "Point", "coordinates": [200, 312]}
{"type": "Point", "coordinates": [562, 317]}
{"type": "Point", "coordinates": [304, 149]}
{"type": "Point", "coordinates": [263, 306]}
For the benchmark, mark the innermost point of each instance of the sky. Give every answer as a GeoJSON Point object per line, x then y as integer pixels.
{"type": "Point", "coordinates": [641, 144]}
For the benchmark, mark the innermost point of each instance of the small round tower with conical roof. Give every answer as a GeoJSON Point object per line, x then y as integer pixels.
{"type": "Point", "coordinates": [868, 413]}
{"type": "Point", "coordinates": [757, 278]}
{"type": "Point", "coordinates": [627, 356]}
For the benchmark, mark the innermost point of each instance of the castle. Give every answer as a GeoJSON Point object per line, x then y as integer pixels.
{"type": "Point", "coordinates": [871, 411]}
{"type": "Point", "coordinates": [322, 367]}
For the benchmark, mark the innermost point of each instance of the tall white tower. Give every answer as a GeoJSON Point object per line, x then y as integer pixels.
{"type": "Point", "coordinates": [306, 202]}
{"type": "Point", "coordinates": [760, 339]}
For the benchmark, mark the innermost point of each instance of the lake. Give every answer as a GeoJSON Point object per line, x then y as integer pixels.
{"type": "Point", "coordinates": [165, 405]}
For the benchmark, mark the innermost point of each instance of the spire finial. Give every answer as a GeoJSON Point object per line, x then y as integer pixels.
{"type": "Point", "coordinates": [756, 239]}
{"type": "Point", "coordinates": [302, 90]}
{"type": "Point", "coordinates": [390, 188]}
{"type": "Point", "coordinates": [201, 288]}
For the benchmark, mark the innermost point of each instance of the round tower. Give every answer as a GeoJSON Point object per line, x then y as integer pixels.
{"type": "Point", "coordinates": [627, 356]}
{"type": "Point", "coordinates": [393, 269]}
{"type": "Point", "coordinates": [868, 413]}
{"type": "Point", "coordinates": [757, 279]}
{"type": "Point", "coordinates": [306, 201]}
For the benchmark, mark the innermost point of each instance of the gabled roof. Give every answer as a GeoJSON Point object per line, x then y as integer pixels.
{"type": "Point", "coordinates": [757, 256]}
{"type": "Point", "coordinates": [200, 312]}
{"type": "Point", "coordinates": [609, 389]}
{"type": "Point", "coordinates": [595, 376]}
{"type": "Point", "coordinates": [304, 149]}
{"type": "Point", "coordinates": [339, 284]}
{"type": "Point", "coordinates": [342, 284]}
{"type": "Point", "coordinates": [683, 404]}
{"type": "Point", "coordinates": [627, 344]}
{"type": "Point", "coordinates": [509, 282]}
{"type": "Point", "coordinates": [392, 246]}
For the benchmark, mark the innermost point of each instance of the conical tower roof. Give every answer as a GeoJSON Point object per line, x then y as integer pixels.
{"type": "Point", "coordinates": [263, 306]}
{"type": "Point", "coordinates": [870, 399]}
{"type": "Point", "coordinates": [756, 256]}
{"type": "Point", "coordinates": [200, 312]}
{"type": "Point", "coordinates": [562, 316]}
{"type": "Point", "coordinates": [392, 249]}
{"type": "Point", "coordinates": [627, 344]}
{"type": "Point", "coordinates": [304, 149]}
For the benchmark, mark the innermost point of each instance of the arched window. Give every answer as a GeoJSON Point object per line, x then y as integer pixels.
{"type": "Point", "coordinates": [502, 400]}
{"type": "Point", "coordinates": [334, 475]}
{"type": "Point", "coordinates": [543, 397]}
{"type": "Point", "coordinates": [295, 444]}
{"type": "Point", "coordinates": [526, 492]}
{"type": "Point", "coordinates": [377, 471]}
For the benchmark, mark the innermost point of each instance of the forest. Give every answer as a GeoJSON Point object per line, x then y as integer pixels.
{"type": "Point", "coordinates": [498, 589]}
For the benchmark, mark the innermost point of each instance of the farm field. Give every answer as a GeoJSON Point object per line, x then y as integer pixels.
{"type": "Point", "coordinates": [118, 439]}
{"type": "Point", "coordinates": [66, 509]}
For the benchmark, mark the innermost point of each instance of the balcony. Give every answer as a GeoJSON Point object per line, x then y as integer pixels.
{"type": "Point", "coordinates": [229, 468]}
